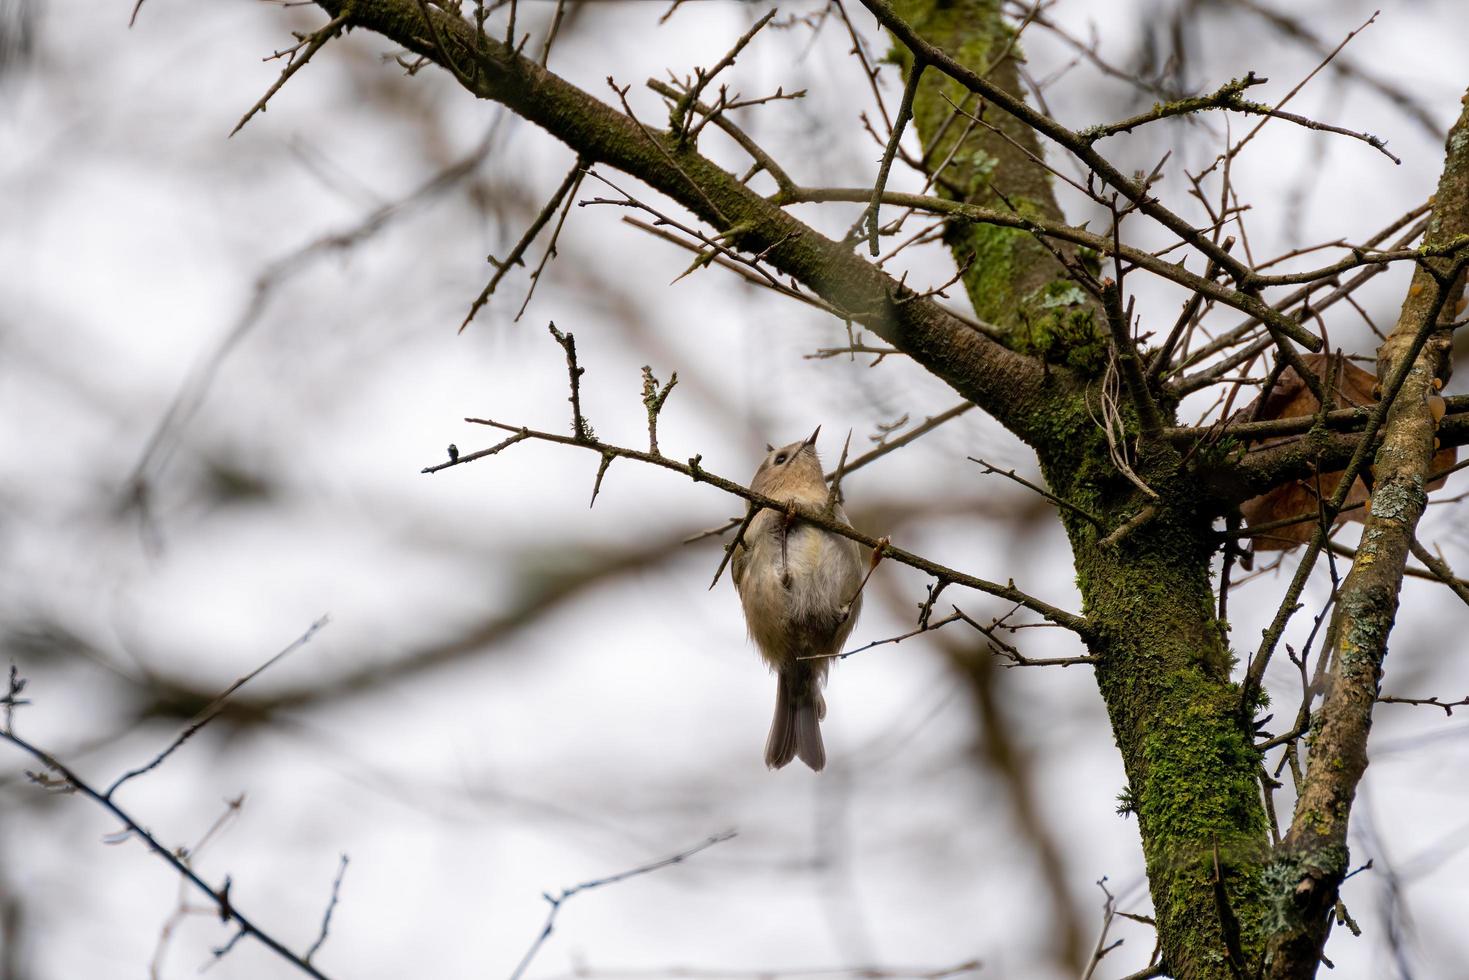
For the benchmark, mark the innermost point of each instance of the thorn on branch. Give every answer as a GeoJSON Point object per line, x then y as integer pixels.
{"type": "Point", "coordinates": [50, 783]}
{"type": "Point", "coordinates": [962, 271]}
{"type": "Point", "coordinates": [702, 260]}
{"type": "Point", "coordinates": [601, 472]}
{"type": "Point", "coordinates": [552, 31]}
{"type": "Point", "coordinates": [220, 952]}
{"type": "Point", "coordinates": [672, 9]}
{"type": "Point", "coordinates": [445, 58]}
{"type": "Point", "coordinates": [1228, 921]}
{"type": "Point", "coordinates": [763, 160]}
{"type": "Point", "coordinates": [223, 898]}
{"type": "Point", "coordinates": [734, 257]}
{"type": "Point", "coordinates": [851, 351]}
{"type": "Point", "coordinates": [660, 146]}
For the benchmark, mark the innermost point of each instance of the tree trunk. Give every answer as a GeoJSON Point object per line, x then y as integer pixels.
{"type": "Point", "coordinates": [1164, 661]}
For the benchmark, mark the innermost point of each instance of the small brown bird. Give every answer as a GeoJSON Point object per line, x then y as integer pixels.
{"type": "Point", "coordinates": [800, 588]}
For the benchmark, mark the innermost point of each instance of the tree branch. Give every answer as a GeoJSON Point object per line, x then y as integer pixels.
{"type": "Point", "coordinates": [1004, 383]}
{"type": "Point", "coordinates": [698, 474]}
{"type": "Point", "coordinates": [1313, 859]}
{"type": "Point", "coordinates": [228, 911]}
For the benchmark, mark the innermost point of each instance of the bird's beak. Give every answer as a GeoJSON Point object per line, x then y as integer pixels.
{"type": "Point", "coordinates": [811, 441]}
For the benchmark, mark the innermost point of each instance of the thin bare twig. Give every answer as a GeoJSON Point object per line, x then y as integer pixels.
{"type": "Point", "coordinates": [653, 399]}
{"type": "Point", "coordinates": [762, 159]}
{"type": "Point", "coordinates": [1440, 570]}
{"type": "Point", "coordinates": [1297, 29]}
{"type": "Point", "coordinates": [1433, 702]}
{"type": "Point", "coordinates": [228, 910]}
{"type": "Point", "coordinates": [298, 56]}
{"type": "Point", "coordinates": [556, 901]}
{"type": "Point", "coordinates": [737, 264]}
{"type": "Point", "coordinates": [1260, 659]}
{"type": "Point", "coordinates": [936, 624]}
{"type": "Point", "coordinates": [681, 112]}
{"type": "Point", "coordinates": [1440, 573]}
{"type": "Point", "coordinates": [1233, 151]}
{"type": "Point", "coordinates": [730, 548]}
{"type": "Point", "coordinates": [1013, 655]}
{"type": "Point", "coordinates": [905, 112]}
{"type": "Point", "coordinates": [1063, 504]}
{"type": "Point", "coordinates": [516, 256]}
{"type": "Point", "coordinates": [629, 201]}
{"type": "Point", "coordinates": [183, 909]}
{"type": "Point", "coordinates": [552, 31]}
{"type": "Point", "coordinates": [1129, 363]}
{"type": "Point", "coordinates": [12, 699]}
{"type": "Point", "coordinates": [215, 707]}
{"type": "Point", "coordinates": [331, 905]}
{"type": "Point", "coordinates": [550, 252]}
{"type": "Point", "coordinates": [580, 428]}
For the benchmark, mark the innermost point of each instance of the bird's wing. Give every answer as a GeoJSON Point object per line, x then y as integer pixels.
{"type": "Point", "coordinates": [738, 562]}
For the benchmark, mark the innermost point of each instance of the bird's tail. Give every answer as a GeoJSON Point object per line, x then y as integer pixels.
{"type": "Point", "coordinates": [796, 728]}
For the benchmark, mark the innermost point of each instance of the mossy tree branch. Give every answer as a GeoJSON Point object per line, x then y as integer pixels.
{"type": "Point", "coordinates": [1012, 278]}
{"type": "Point", "coordinates": [1313, 859]}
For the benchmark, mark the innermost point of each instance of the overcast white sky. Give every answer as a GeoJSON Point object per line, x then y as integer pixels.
{"type": "Point", "coordinates": [625, 723]}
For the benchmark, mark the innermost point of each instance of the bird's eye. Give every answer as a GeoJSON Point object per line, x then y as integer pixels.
{"type": "Point", "coordinates": [780, 458]}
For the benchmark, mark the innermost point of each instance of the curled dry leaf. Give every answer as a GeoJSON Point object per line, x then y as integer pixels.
{"type": "Point", "coordinates": [1290, 398]}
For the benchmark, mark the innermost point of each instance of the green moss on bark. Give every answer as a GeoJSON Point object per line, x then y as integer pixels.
{"type": "Point", "coordinates": [1164, 660]}
{"type": "Point", "coordinates": [1188, 753]}
{"type": "Point", "coordinates": [1012, 280]}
